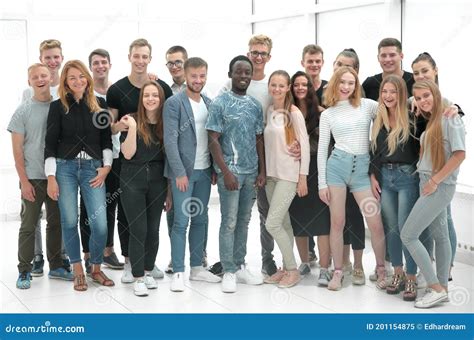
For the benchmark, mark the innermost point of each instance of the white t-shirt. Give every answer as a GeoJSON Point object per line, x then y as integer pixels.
{"type": "Point", "coordinates": [202, 160]}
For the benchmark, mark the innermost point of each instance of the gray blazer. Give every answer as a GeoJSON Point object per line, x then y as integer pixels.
{"type": "Point", "coordinates": [180, 135]}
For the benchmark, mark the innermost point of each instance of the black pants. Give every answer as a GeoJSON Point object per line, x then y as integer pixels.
{"type": "Point", "coordinates": [354, 230]}
{"type": "Point", "coordinates": [112, 189]}
{"type": "Point", "coordinates": [143, 196]}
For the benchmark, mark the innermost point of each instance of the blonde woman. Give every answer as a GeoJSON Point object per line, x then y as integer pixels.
{"type": "Point", "coordinates": [285, 177]}
{"type": "Point", "coordinates": [442, 152]}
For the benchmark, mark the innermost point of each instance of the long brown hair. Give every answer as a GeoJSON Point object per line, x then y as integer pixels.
{"type": "Point", "coordinates": [434, 132]}
{"type": "Point", "coordinates": [142, 119]}
{"type": "Point", "coordinates": [401, 131]}
{"type": "Point", "coordinates": [89, 96]}
{"type": "Point", "coordinates": [290, 135]}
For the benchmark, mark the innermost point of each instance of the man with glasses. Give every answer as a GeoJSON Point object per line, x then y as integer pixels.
{"type": "Point", "coordinates": [175, 58]}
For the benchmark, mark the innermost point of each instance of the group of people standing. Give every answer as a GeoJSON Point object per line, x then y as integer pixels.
{"type": "Point", "coordinates": [294, 144]}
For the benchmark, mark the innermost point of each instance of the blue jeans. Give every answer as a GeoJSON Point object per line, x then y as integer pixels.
{"type": "Point", "coordinates": [236, 209]}
{"type": "Point", "coordinates": [191, 204]}
{"type": "Point", "coordinates": [452, 234]}
{"type": "Point", "coordinates": [399, 194]}
{"type": "Point", "coordinates": [72, 174]}
{"type": "Point", "coordinates": [430, 212]}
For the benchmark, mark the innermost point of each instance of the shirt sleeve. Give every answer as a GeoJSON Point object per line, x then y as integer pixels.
{"type": "Point", "coordinates": [53, 130]}
{"type": "Point", "coordinates": [17, 122]}
{"type": "Point", "coordinates": [215, 117]}
{"type": "Point", "coordinates": [323, 146]}
{"type": "Point", "coordinates": [113, 99]}
{"type": "Point", "coordinates": [456, 133]}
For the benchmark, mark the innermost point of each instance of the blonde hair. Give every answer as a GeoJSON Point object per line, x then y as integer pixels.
{"type": "Point", "coordinates": [64, 90]}
{"type": "Point", "coordinates": [401, 131]}
{"type": "Point", "coordinates": [35, 66]}
{"type": "Point", "coordinates": [50, 44]}
{"type": "Point", "coordinates": [290, 134]}
{"type": "Point", "coordinates": [141, 42]}
{"type": "Point", "coordinates": [331, 95]}
{"type": "Point", "coordinates": [434, 131]}
{"type": "Point", "coordinates": [261, 39]}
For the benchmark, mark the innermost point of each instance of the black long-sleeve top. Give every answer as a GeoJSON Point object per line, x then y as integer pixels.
{"type": "Point", "coordinates": [77, 130]}
{"type": "Point", "coordinates": [406, 153]}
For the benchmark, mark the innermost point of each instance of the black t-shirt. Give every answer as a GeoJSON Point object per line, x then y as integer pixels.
{"type": "Point", "coordinates": [319, 92]}
{"type": "Point", "coordinates": [124, 96]}
{"type": "Point", "coordinates": [145, 153]}
{"type": "Point", "coordinates": [371, 85]}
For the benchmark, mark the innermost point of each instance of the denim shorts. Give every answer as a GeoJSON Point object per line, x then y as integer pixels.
{"type": "Point", "coordinates": [345, 169]}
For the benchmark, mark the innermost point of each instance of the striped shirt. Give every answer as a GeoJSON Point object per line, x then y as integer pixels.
{"type": "Point", "coordinates": [350, 129]}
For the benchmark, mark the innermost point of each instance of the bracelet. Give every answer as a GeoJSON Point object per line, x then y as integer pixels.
{"type": "Point", "coordinates": [432, 180]}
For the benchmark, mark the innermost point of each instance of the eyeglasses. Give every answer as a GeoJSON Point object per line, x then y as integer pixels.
{"type": "Point", "coordinates": [255, 54]}
{"type": "Point", "coordinates": [177, 63]}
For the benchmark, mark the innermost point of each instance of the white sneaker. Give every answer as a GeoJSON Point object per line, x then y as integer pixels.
{"type": "Point", "coordinates": [177, 282]}
{"type": "Point", "coordinates": [139, 287]}
{"type": "Point", "coordinates": [431, 299]}
{"type": "Point", "coordinates": [229, 283]}
{"type": "Point", "coordinates": [420, 280]}
{"type": "Point", "coordinates": [157, 273]}
{"type": "Point", "coordinates": [150, 281]}
{"type": "Point", "coordinates": [201, 274]}
{"type": "Point", "coordinates": [127, 276]}
{"type": "Point", "coordinates": [245, 276]}
{"type": "Point", "coordinates": [324, 277]}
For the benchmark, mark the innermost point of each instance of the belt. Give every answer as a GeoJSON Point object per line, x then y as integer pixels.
{"type": "Point", "coordinates": [391, 166]}
{"type": "Point", "coordinates": [83, 155]}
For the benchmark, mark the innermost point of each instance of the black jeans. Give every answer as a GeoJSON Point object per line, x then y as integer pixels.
{"type": "Point", "coordinates": [143, 196]}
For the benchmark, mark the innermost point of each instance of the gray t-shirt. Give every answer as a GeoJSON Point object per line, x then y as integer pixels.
{"type": "Point", "coordinates": [28, 93]}
{"type": "Point", "coordinates": [30, 120]}
{"type": "Point", "coordinates": [238, 119]}
{"type": "Point", "coordinates": [453, 140]}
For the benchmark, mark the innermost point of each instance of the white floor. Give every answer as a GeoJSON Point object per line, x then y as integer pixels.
{"type": "Point", "coordinates": [55, 296]}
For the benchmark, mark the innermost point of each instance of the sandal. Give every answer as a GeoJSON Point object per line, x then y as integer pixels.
{"type": "Point", "coordinates": [80, 283]}
{"type": "Point", "coordinates": [397, 284]}
{"type": "Point", "coordinates": [381, 282]}
{"type": "Point", "coordinates": [410, 291]}
{"type": "Point", "coordinates": [102, 279]}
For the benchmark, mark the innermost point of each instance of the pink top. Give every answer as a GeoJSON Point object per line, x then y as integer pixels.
{"type": "Point", "coordinates": [279, 163]}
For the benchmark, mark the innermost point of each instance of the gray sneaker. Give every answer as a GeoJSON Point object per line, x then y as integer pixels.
{"type": "Point", "coordinates": [304, 269]}
{"type": "Point", "coordinates": [324, 277]}
{"type": "Point", "coordinates": [112, 262]}
{"type": "Point", "coordinates": [38, 264]}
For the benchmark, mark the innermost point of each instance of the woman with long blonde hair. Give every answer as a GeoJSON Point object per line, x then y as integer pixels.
{"type": "Point", "coordinates": [442, 152]}
{"type": "Point", "coordinates": [78, 155]}
{"type": "Point", "coordinates": [394, 154]}
{"type": "Point", "coordinates": [285, 124]}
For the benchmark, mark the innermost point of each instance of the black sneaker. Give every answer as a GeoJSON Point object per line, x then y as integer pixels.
{"type": "Point", "coordinates": [38, 264]}
{"type": "Point", "coordinates": [67, 264]}
{"type": "Point", "coordinates": [87, 264]}
{"type": "Point", "coordinates": [112, 261]}
{"type": "Point", "coordinates": [216, 269]}
{"type": "Point", "coordinates": [269, 269]}
{"type": "Point", "coordinates": [169, 269]}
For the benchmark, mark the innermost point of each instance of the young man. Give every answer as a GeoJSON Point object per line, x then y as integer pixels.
{"type": "Point", "coordinates": [51, 55]}
{"type": "Point", "coordinates": [122, 99]}
{"type": "Point", "coordinates": [189, 172]}
{"type": "Point", "coordinates": [260, 47]}
{"type": "Point", "coordinates": [312, 60]}
{"type": "Point", "coordinates": [235, 126]}
{"type": "Point", "coordinates": [99, 64]}
{"type": "Point", "coordinates": [28, 129]}
{"type": "Point", "coordinates": [390, 57]}
{"type": "Point", "coordinates": [176, 56]}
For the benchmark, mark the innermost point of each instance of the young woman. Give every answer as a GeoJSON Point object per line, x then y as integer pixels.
{"type": "Point", "coordinates": [442, 152]}
{"type": "Point", "coordinates": [285, 176]}
{"type": "Point", "coordinates": [348, 119]}
{"type": "Point", "coordinates": [424, 68]}
{"type": "Point", "coordinates": [309, 215]}
{"type": "Point", "coordinates": [78, 154]}
{"type": "Point", "coordinates": [394, 153]}
{"type": "Point", "coordinates": [144, 187]}
{"type": "Point", "coordinates": [354, 229]}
